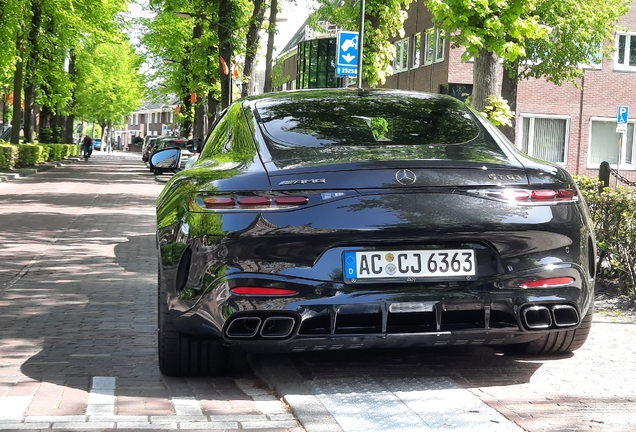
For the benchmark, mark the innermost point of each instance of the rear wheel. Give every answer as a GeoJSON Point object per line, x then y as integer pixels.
{"type": "Point", "coordinates": [187, 356]}
{"type": "Point", "coordinates": [559, 342]}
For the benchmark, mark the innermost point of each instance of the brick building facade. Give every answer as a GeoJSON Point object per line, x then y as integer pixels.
{"type": "Point", "coordinates": [575, 127]}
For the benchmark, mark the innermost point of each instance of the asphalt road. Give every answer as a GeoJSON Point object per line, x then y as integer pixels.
{"type": "Point", "coordinates": [78, 341]}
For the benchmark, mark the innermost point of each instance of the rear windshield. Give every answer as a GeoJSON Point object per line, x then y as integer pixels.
{"type": "Point", "coordinates": [336, 122]}
{"type": "Point", "coordinates": [174, 142]}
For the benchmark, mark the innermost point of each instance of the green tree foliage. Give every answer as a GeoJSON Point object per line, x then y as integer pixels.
{"type": "Point", "coordinates": [41, 39]}
{"type": "Point", "coordinates": [535, 38]}
{"type": "Point", "coordinates": [10, 17]}
{"type": "Point", "coordinates": [109, 85]}
{"type": "Point", "coordinates": [578, 34]}
{"type": "Point", "coordinates": [489, 30]}
{"type": "Point", "coordinates": [384, 20]}
{"type": "Point", "coordinates": [185, 41]}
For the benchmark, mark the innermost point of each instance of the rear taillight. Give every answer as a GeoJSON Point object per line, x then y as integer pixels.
{"type": "Point", "coordinates": [218, 202]}
{"type": "Point", "coordinates": [254, 201]}
{"type": "Point", "coordinates": [531, 196]}
{"type": "Point", "coordinates": [548, 283]}
{"type": "Point", "coordinates": [262, 291]}
{"type": "Point", "coordinates": [207, 202]}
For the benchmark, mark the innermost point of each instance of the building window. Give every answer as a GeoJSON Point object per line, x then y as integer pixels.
{"type": "Point", "coordinates": [401, 60]}
{"type": "Point", "coordinates": [136, 119]}
{"type": "Point", "coordinates": [152, 118]}
{"type": "Point", "coordinates": [625, 55]}
{"type": "Point", "coordinates": [545, 137]}
{"type": "Point", "coordinates": [417, 49]}
{"type": "Point", "coordinates": [458, 91]}
{"type": "Point", "coordinates": [433, 46]}
{"type": "Point", "coordinates": [604, 144]}
{"type": "Point", "coordinates": [317, 64]}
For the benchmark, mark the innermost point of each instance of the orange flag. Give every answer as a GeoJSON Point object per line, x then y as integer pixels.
{"type": "Point", "coordinates": [226, 70]}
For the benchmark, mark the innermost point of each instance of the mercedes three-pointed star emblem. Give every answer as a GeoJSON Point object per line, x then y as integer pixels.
{"type": "Point", "coordinates": [405, 177]}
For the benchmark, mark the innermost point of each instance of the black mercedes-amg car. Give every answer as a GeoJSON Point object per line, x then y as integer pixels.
{"type": "Point", "coordinates": [348, 219]}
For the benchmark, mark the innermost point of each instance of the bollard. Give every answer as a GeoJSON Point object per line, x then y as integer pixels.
{"type": "Point", "coordinates": [604, 173]}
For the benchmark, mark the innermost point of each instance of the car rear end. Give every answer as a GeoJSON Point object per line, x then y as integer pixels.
{"type": "Point", "coordinates": [395, 220]}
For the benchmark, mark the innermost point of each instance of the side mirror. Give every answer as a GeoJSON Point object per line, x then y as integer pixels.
{"type": "Point", "coordinates": [166, 160]}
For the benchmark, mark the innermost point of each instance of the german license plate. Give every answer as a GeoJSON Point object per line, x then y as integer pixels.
{"type": "Point", "coordinates": [409, 264]}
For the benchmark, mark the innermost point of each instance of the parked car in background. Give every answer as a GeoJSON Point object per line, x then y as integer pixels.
{"type": "Point", "coordinates": [349, 219]}
{"type": "Point", "coordinates": [164, 142]}
{"type": "Point", "coordinates": [97, 142]}
{"type": "Point", "coordinates": [148, 147]}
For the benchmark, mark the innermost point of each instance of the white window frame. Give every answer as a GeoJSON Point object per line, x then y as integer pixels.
{"type": "Point", "coordinates": [623, 165]}
{"type": "Point", "coordinates": [136, 119]}
{"type": "Point", "coordinates": [417, 50]}
{"type": "Point", "coordinates": [400, 64]}
{"type": "Point", "coordinates": [434, 43]}
{"type": "Point", "coordinates": [625, 65]}
{"type": "Point", "coordinates": [532, 117]}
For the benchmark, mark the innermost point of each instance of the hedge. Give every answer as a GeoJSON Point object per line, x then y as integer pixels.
{"type": "Point", "coordinates": [24, 155]}
{"type": "Point", "coordinates": [8, 155]}
{"type": "Point", "coordinates": [613, 212]}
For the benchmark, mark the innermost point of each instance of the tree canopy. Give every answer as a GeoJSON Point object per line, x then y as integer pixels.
{"type": "Point", "coordinates": [535, 38]}
{"type": "Point", "coordinates": [49, 47]}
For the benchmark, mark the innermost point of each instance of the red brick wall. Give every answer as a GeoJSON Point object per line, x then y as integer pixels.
{"type": "Point", "coordinates": [599, 96]}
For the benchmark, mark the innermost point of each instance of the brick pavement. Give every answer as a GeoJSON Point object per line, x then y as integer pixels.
{"type": "Point", "coordinates": [77, 349]}
{"type": "Point", "coordinates": [592, 389]}
{"type": "Point", "coordinates": [78, 302]}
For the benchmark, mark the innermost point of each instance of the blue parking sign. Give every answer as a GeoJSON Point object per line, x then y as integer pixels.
{"type": "Point", "coordinates": [348, 52]}
{"type": "Point", "coordinates": [623, 114]}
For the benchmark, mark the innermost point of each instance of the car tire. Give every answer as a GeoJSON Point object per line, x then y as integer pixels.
{"type": "Point", "coordinates": [559, 342]}
{"type": "Point", "coordinates": [180, 355]}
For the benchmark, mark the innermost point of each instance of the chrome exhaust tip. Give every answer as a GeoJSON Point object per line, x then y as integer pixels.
{"type": "Point", "coordinates": [243, 327]}
{"type": "Point", "coordinates": [278, 327]}
{"type": "Point", "coordinates": [565, 315]}
{"type": "Point", "coordinates": [536, 317]}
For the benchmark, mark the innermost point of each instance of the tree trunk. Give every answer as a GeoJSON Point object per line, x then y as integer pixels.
{"type": "Point", "coordinates": [29, 124]}
{"type": "Point", "coordinates": [253, 36]}
{"type": "Point", "coordinates": [271, 32]}
{"type": "Point", "coordinates": [485, 69]}
{"type": "Point", "coordinates": [17, 89]}
{"type": "Point", "coordinates": [212, 106]}
{"type": "Point", "coordinates": [509, 85]}
{"type": "Point", "coordinates": [186, 126]}
{"type": "Point", "coordinates": [70, 120]}
{"type": "Point", "coordinates": [31, 69]}
{"type": "Point", "coordinates": [225, 51]}
{"type": "Point", "coordinates": [199, 120]}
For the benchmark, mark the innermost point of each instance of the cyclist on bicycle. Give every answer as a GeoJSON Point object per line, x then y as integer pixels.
{"type": "Point", "coordinates": [87, 146]}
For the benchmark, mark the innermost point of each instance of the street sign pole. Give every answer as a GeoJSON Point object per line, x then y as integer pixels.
{"type": "Point", "coordinates": [622, 117]}
{"type": "Point", "coordinates": [361, 42]}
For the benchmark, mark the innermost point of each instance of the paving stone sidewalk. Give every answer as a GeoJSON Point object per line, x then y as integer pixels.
{"type": "Point", "coordinates": [78, 301]}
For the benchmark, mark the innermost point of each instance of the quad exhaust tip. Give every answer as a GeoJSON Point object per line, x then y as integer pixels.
{"type": "Point", "coordinates": [540, 317]}
{"type": "Point", "coordinates": [255, 327]}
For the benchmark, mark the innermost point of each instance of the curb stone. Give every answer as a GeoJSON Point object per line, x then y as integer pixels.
{"type": "Point", "coordinates": [25, 172]}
